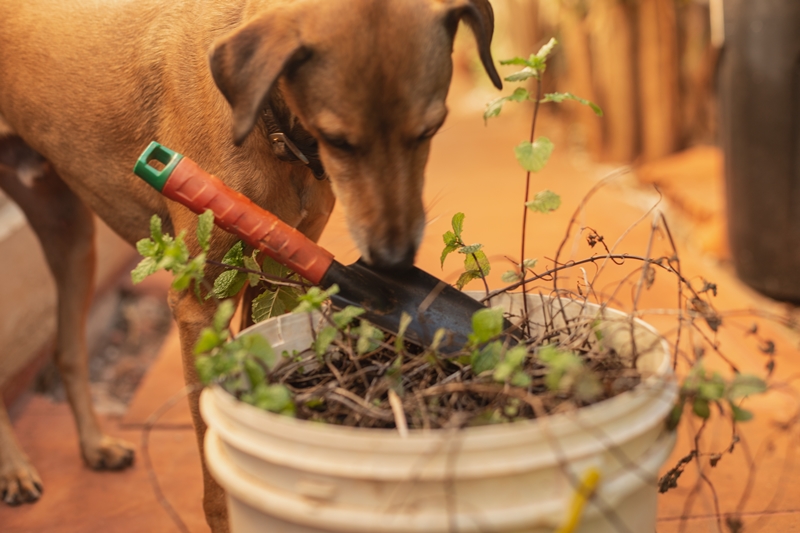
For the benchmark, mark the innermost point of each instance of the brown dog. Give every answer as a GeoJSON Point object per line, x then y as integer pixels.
{"type": "Point", "coordinates": [85, 85]}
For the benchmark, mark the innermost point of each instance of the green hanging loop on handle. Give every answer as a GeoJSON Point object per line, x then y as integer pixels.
{"type": "Point", "coordinates": [153, 176]}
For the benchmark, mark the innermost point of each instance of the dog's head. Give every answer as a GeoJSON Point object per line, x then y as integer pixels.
{"type": "Point", "coordinates": [368, 79]}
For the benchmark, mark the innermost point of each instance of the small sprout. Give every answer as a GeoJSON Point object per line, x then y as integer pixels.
{"type": "Point", "coordinates": [314, 298]}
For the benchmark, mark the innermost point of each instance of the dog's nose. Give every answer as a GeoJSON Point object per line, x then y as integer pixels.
{"type": "Point", "coordinates": [392, 258]}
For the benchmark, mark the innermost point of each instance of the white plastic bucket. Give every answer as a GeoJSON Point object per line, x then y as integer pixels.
{"type": "Point", "coordinates": [288, 475]}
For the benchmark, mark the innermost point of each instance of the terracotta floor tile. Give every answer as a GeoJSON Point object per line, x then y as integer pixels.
{"type": "Point", "coordinates": [161, 383]}
{"type": "Point", "coordinates": [77, 499]}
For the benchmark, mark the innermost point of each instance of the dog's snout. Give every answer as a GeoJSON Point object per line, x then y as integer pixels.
{"type": "Point", "coordinates": [392, 258]}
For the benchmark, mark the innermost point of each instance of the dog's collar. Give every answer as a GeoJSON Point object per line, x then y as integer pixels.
{"type": "Point", "coordinates": [289, 140]}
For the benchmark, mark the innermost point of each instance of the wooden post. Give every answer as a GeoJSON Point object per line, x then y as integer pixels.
{"type": "Point", "coordinates": [658, 77]}
{"type": "Point", "coordinates": [612, 55]}
{"type": "Point", "coordinates": [579, 75]}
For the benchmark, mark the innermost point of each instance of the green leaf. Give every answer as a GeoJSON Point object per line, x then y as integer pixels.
{"type": "Point", "coordinates": [145, 267]}
{"type": "Point", "coordinates": [405, 321]}
{"type": "Point", "coordinates": [701, 408]}
{"type": "Point", "coordinates": [520, 379]}
{"type": "Point", "coordinates": [739, 414]}
{"type": "Point", "coordinates": [520, 94]}
{"type": "Point", "coordinates": [155, 229]}
{"type": "Point", "coordinates": [745, 385]}
{"type": "Point", "coordinates": [486, 358]}
{"type": "Point", "coordinates": [712, 389]}
{"type": "Point", "coordinates": [223, 315]}
{"type": "Point", "coordinates": [478, 262]}
{"type": "Point", "coordinates": [486, 324]}
{"type": "Point", "coordinates": [675, 415]}
{"type": "Point", "coordinates": [494, 107]}
{"type": "Point", "coordinates": [559, 363]}
{"type": "Point", "coordinates": [510, 276]}
{"type": "Point", "coordinates": [544, 202]}
{"type": "Point", "coordinates": [255, 373]}
{"type": "Point", "coordinates": [205, 223]}
{"type": "Point", "coordinates": [511, 363]}
{"type": "Point", "coordinates": [314, 298]}
{"type": "Point", "coordinates": [275, 398]}
{"type": "Point", "coordinates": [251, 264]}
{"type": "Point", "coordinates": [229, 283]}
{"type": "Point", "coordinates": [458, 224]}
{"type": "Point", "coordinates": [450, 248]}
{"type": "Point", "coordinates": [260, 348]}
{"type": "Point", "coordinates": [270, 304]}
{"type": "Point", "coordinates": [533, 156]}
{"type": "Point", "coordinates": [438, 337]}
{"type": "Point", "coordinates": [515, 61]}
{"type": "Point", "coordinates": [369, 338]}
{"type": "Point", "coordinates": [205, 369]}
{"type": "Point", "coordinates": [471, 249]}
{"type": "Point", "coordinates": [530, 263]}
{"type": "Point", "coordinates": [523, 74]}
{"type": "Point", "coordinates": [324, 339]}
{"type": "Point", "coordinates": [545, 50]}
{"type": "Point", "coordinates": [147, 247]}
{"type": "Point", "coordinates": [560, 97]}
{"type": "Point", "coordinates": [208, 340]}
{"type": "Point", "coordinates": [345, 316]}
{"type": "Point", "coordinates": [466, 277]}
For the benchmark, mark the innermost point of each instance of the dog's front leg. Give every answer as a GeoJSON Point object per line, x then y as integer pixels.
{"type": "Point", "coordinates": [192, 315]}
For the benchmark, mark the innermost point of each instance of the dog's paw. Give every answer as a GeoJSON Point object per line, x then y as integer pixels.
{"type": "Point", "coordinates": [20, 483]}
{"type": "Point", "coordinates": [108, 453]}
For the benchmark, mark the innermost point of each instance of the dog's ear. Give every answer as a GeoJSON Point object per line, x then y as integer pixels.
{"type": "Point", "coordinates": [246, 63]}
{"type": "Point", "coordinates": [478, 14]}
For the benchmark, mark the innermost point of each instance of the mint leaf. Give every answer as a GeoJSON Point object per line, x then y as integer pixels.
{"type": "Point", "coordinates": [739, 414]}
{"type": "Point", "coordinates": [520, 94]}
{"type": "Point", "coordinates": [466, 277]}
{"type": "Point", "coordinates": [560, 97]}
{"type": "Point", "coordinates": [369, 338]}
{"type": "Point", "coordinates": [494, 107]}
{"type": "Point", "coordinates": [486, 324]}
{"type": "Point", "coordinates": [324, 339]}
{"type": "Point", "coordinates": [252, 264]}
{"type": "Point", "coordinates": [345, 316]}
{"type": "Point", "coordinates": [223, 315]}
{"type": "Point", "coordinates": [205, 223]}
{"type": "Point", "coordinates": [487, 357]}
{"type": "Point", "coordinates": [458, 224]}
{"type": "Point", "coordinates": [510, 276]}
{"type": "Point", "coordinates": [515, 61]}
{"type": "Point", "coordinates": [544, 202]}
{"type": "Point", "coordinates": [450, 248]}
{"type": "Point", "coordinates": [471, 249]}
{"type": "Point", "coordinates": [523, 75]}
{"type": "Point", "coordinates": [145, 267]}
{"type": "Point", "coordinates": [477, 261]}
{"type": "Point", "coordinates": [745, 385]}
{"type": "Point", "coordinates": [545, 50]}
{"type": "Point", "coordinates": [534, 156]}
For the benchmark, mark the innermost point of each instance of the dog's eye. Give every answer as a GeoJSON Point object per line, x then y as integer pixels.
{"type": "Point", "coordinates": [428, 134]}
{"type": "Point", "coordinates": [339, 143]}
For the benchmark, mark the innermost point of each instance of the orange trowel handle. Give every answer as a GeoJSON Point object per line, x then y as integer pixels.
{"type": "Point", "coordinates": [185, 182]}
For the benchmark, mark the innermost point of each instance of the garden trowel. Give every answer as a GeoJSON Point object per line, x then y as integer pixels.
{"type": "Point", "coordinates": [385, 296]}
